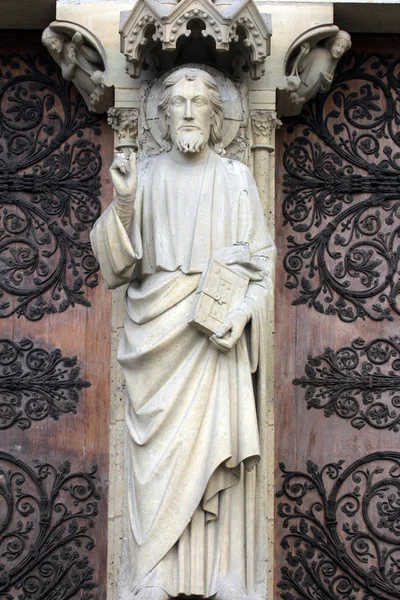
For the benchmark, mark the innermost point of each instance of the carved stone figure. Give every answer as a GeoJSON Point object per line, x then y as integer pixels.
{"type": "Point", "coordinates": [79, 63]}
{"type": "Point", "coordinates": [314, 68]}
{"type": "Point", "coordinates": [193, 479]}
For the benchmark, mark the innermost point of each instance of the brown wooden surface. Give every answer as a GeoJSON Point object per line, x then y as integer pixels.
{"type": "Point", "coordinates": [302, 434]}
{"type": "Point", "coordinates": [79, 331]}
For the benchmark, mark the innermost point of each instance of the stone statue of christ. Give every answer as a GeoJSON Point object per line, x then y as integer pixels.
{"type": "Point", "coordinates": [193, 436]}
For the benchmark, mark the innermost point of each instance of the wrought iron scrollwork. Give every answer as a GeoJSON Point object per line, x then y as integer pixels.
{"type": "Point", "coordinates": [36, 383]}
{"type": "Point", "coordinates": [359, 382]}
{"type": "Point", "coordinates": [45, 542]}
{"type": "Point", "coordinates": [342, 193]}
{"type": "Point", "coordinates": [343, 538]}
{"type": "Point", "coordinates": [49, 188]}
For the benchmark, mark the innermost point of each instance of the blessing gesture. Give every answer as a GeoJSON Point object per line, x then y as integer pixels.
{"type": "Point", "coordinates": [123, 173]}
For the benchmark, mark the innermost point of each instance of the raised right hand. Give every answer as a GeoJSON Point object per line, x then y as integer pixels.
{"type": "Point", "coordinates": [123, 173]}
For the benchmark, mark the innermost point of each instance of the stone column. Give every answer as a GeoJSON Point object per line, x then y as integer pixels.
{"type": "Point", "coordinates": [124, 122]}
{"type": "Point", "coordinates": [263, 124]}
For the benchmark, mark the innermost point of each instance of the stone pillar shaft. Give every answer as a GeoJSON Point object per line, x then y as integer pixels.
{"type": "Point", "coordinates": [263, 125]}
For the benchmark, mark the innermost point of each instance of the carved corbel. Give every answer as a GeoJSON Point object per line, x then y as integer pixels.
{"type": "Point", "coordinates": [309, 67]}
{"type": "Point", "coordinates": [124, 121]}
{"type": "Point", "coordinates": [155, 27]}
{"type": "Point", "coordinates": [82, 60]}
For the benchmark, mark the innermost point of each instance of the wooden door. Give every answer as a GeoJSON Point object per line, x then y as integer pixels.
{"type": "Point", "coordinates": [55, 323]}
{"type": "Point", "coordinates": [338, 339]}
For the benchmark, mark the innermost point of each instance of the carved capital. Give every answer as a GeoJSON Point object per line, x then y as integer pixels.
{"type": "Point", "coordinates": [125, 122]}
{"type": "Point", "coordinates": [264, 123]}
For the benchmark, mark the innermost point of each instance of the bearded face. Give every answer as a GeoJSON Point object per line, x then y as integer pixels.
{"type": "Point", "coordinates": [189, 140]}
{"type": "Point", "coordinates": [189, 115]}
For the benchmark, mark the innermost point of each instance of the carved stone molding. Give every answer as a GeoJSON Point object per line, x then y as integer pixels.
{"type": "Point", "coordinates": [47, 513]}
{"type": "Point", "coordinates": [151, 24]}
{"type": "Point", "coordinates": [343, 529]}
{"type": "Point", "coordinates": [309, 67]}
{"type": "Point", "coordinates": [36, 383]}
{"type": "Point", "coordinates": [264, 123]}
{"type": "Point", "coordinates": [125, 122]}
{"type": "Point", "coordinates": [82, 60]}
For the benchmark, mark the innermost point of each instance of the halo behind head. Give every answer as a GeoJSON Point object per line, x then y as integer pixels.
{"type": "Point", "coordinates": [217, 108]}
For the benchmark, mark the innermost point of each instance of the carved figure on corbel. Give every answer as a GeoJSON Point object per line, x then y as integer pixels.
{"type": "Point", "coordinates": [125, 122]}
{"type": "Point", "coordinates": [82, 60]}
{"type": "Point", "coordinates": [310, 66]}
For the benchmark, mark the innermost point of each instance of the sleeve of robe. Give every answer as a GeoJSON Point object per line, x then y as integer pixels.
{"type": "Point", "coordinates": [259, 306]}
{"type": "Point", "coordinates": [117, 252]}
{"type": "Point", "coordinates": [259, 296]}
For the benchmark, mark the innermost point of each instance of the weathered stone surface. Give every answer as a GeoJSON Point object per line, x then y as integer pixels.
{"type": "Point", "coordinates": [193, 436]}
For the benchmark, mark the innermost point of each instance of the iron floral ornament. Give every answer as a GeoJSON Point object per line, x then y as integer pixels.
{"type": "Point", "coordinates": [342, 194]}
{"type": "Point", "coordinates": [343, 538]}
{"type": "Point", "coordinates": [36, 383]}
{"type": "Point", "coordinates": [359, 382]}
{"type": "Point", "coordinates": [49, 188]}
{"type": "Point", "coordinates": [47, 513]}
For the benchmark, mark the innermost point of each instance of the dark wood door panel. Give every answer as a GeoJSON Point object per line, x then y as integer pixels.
{"type": "Point", "coordinates": [337, 390]}
{"type": "Point", "coordinates": [55, 322]}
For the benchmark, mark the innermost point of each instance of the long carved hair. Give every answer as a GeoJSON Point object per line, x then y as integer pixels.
{"type": "Point", "coordinates": [340, 34]}
{"type": "Point", "coordinates": [217, 108]}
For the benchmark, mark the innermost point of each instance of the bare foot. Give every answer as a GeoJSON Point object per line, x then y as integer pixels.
{"type": "Point", "coordinates": [151, 593]}
{"type": "Point", "coordinates": [231, 592]}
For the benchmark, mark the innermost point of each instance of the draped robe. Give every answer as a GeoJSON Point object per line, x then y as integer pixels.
{"type": "Point", "coordinates": [191, 410]}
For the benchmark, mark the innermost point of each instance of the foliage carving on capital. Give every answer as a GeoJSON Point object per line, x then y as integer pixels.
{"type": "Point", "coordinates": [310, 66]}
{"type": "Point", "coordinates": [124, 121]}
{"type": "Point", "coordinates": [264, 123]}
{"type": "Point", "coordinates": [82, 60]}
{"type": "Point", "coordinates": [151, 25]}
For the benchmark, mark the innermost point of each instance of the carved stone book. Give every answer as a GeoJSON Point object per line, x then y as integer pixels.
{"type": "Point", "coordinates": [221, 290]}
